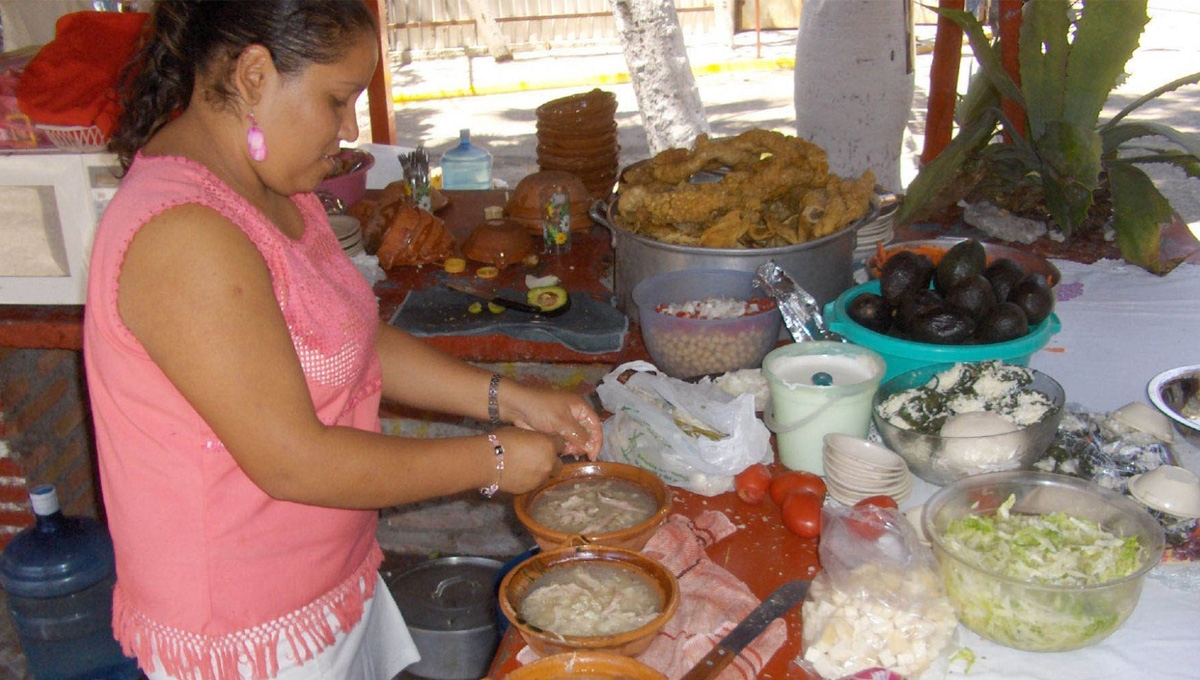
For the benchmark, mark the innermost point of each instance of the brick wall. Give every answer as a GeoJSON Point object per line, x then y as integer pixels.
{"type": "Point", "coordinates": [45, 435]}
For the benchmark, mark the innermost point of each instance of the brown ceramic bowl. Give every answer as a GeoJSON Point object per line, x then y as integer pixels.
{"type": "Point", "coordinates": [631, 538]}
{"type": "Point", "coordinates": [524, 205]}
{"type": "Point", "coordinates": [580, 163]}
{"type": "Point", "coordinates": [576, 146]}
{"type": "Point", "coordinates": [521, 579]}
{"type": "Point", "coordinates": [595, 102]}
{"type": "Point", "coordinates": [498, 242]}
{"type": "Point", "coordinates": [586, 663]}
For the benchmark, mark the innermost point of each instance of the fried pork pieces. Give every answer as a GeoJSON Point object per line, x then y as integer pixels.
{"type": "Point", "coordinates": [776, 191]}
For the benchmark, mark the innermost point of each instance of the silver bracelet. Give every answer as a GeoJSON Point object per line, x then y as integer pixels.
{"type": "Point", "coordinates": [498, 450]}
{"type": "Point", "coordinates": [494, 399]}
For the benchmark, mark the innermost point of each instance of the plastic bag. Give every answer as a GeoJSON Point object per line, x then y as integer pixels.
{"type": "Point", "coordinates": [692, 436]}
{"type": "Point", "coordinates": [878, 602]}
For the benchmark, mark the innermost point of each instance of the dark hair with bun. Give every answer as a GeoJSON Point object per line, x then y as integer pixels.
{"type": "Point", "coordinates": [185, 38]}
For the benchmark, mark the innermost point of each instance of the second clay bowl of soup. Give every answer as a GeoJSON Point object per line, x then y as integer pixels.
{"type": "Point", "coordinates": [596, 503]}
{"type": "Point", "coordinates": [594, 598]}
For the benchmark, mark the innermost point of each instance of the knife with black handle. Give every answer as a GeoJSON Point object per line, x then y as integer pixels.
{"type": "Point", "coordinates": [776, 605]}
{"type": "Point", "coordinates": [502, 301]}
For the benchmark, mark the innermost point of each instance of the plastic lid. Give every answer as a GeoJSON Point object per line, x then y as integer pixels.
{"type": "Point", "coordinates": [448, 594]}
{"type": "Point", "coordinates": [57, 557]}
{"type": "Point", "coordinates": [464, 136]}
{"type": "Point", "coordinates": [44, 498]}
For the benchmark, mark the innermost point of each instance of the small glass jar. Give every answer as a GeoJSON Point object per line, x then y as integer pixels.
{"type": "Point", "coordinates": [555, 199]}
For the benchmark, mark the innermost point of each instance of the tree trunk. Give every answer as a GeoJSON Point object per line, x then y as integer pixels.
{"type": "Point", "coordinates": [854, 83]}
{"type": "Point", "coordinates": [668, 100]}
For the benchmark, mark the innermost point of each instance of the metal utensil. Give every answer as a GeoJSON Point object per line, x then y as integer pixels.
{"type": "Point", "coordinates": [502, 301]}
{"type": "Point", "coordinates": [777, 604]}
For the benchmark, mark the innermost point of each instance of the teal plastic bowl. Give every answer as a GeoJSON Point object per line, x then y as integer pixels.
{"type": "Point", "coordinates": [905, 355]}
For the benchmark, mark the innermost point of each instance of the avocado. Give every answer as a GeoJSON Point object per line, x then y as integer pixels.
{"type": "Point", "coordinates": [1003, 274]}
{"type": "Point", "coordinates": [552, 300]}
{"type": "Point", "coordinates": [944, 325]}
{"type": "Point", "coordinates": [1005, 322]}
{"type": "Point", "coordinates": [1035, 297]}
{"type": "Point", "coordinates": [964, 260]}
{"type": "Point", "coordinates": [919, 301]}
{"type": "Point", "coordinates": [903, 274]}
{"type": "Point", "coordinates": [871, 312]}
{"type": "Point", "coordinates": [973, 295]}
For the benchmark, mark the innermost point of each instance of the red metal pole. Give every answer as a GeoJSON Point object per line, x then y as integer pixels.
{"type": "Point", "coordinates": [1010, 40]}
{"type": "Point", "coordinates": [943, 83]}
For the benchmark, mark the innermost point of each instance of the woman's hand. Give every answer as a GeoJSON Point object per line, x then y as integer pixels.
{"type": "Point", "coordinates": [553, 412]}
{"type": "Point", "coordinates": [530, 458]}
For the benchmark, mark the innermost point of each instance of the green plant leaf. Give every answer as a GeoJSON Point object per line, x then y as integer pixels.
{"type": "Point", "coordinates": [1114, 136]}
{"type": "Point", "coordinates": [985, 53]}
{"type": "Point", "coordinates": [981, 95]}
{"type": "Point", "coordinates": [1070, 171]}
{"type": "Point", "coordinates": [1183, 161]}
{"type": "Point", "coordinates": [1105, 37]}
{"type": "Point", "coordinates": [1152, 95]}
{"type": "Point", "coordinates": [1138, 211]}
{"type": "Point", "coordinates": [942, 171]}
{"type": "Point", "coordinates": [1043, 53]}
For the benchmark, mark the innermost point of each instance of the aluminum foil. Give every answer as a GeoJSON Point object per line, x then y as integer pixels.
{"type": "Point", "coordinates": [801, 313]}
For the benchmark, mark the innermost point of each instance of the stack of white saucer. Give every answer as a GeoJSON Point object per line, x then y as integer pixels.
{"type": "Point", "coordinates": [856, 468]}
{"type": "Point", "coordinates": [878, 231]}
{"type": "Point", "coordinates": [348, 232]}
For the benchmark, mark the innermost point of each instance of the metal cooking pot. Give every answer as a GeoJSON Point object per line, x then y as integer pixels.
{"type": "Point", "coordinates": [824, 267]}
{"type": "Point", "coordinates": [449, 605]}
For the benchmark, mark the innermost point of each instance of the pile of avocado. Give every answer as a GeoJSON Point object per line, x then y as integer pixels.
{"type": "Point", "coordinates": [959, 301]}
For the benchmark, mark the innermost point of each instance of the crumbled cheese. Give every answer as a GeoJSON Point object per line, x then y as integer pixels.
{"type": "Point", "coordinates": [968, 388]}
{"type": "Point", "coordinates": [715, 308]}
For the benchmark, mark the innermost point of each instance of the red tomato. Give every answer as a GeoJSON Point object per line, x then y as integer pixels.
{"type": "Point", "coordinates": [872, 516]}
{"type": "Point", "coordinates": [752, 483]}
{"type": "Point", "coordinates": [802, 513]}
{"type": "Point", "coordinates": [796, 480]}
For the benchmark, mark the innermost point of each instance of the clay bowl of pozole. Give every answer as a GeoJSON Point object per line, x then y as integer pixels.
{"type": "Point", "coordinates": [595, 503]}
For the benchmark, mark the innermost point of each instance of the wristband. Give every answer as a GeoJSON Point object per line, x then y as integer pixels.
{"type": "Point", "coordinates": [498, 449]}
{"type": "Point", "coordinates": [494, 399]}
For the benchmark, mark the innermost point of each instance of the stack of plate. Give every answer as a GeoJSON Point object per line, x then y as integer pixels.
{"type": "Point", "coordinates": [856, 468]}
{"type": "Point", "coordinates": [348, 232]}
{"type": "Point", "coordinates": [879, 230]}
{"type": "Point", "coordinates": [578, 134]}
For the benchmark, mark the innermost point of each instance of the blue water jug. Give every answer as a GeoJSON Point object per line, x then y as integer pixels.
{"type": "Point", "coordinates": [466, 166]}
{"type": "Point", "coordinates": [59, 576]}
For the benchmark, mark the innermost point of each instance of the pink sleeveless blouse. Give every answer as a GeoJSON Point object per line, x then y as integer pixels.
{"type": "Point", "coordinates": [211, 571]}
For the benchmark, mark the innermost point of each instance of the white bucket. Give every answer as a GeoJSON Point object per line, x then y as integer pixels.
{"type": "Point", "coordinates": [817, 388]}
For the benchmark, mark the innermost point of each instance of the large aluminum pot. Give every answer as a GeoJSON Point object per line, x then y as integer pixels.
{"type": "Point", "coordinates": [824, 267]}
{"type": "Point", "coordinates": [449, 604]}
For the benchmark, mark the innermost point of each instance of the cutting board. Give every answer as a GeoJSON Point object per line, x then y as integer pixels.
{"type": "Point", "coordinates": [591, 326]}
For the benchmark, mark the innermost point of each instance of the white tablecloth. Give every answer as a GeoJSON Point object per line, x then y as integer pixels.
{"type": "Point", "coordinates": [1121, 326]}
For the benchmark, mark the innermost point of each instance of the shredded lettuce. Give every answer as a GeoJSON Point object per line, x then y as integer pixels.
{"type": "Point", "coordinates": [1056, 550]}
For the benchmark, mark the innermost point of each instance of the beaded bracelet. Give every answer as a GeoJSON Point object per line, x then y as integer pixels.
{"type": "Point", "coordinates": [498, 449]}
{"type": "Point", "coordinates": [494, 399]}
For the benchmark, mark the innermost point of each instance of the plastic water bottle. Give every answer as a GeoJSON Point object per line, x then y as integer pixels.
{"type": "Point", "coordinates": [59, 575]}
{"type": "Point", "coordinates": [466, 166]}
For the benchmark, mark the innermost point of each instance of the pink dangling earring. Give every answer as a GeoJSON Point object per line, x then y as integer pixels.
{"type": "Point", "coordinates": [256, 142]}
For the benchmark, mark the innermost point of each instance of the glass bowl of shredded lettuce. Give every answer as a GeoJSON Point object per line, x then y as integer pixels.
{"type": "Point", "coordinates": [1039, 561]}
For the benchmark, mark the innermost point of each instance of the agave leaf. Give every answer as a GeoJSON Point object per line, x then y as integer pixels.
{"type": "Point", "coordinates": [1183, 161]}
{"type": "Point", "coordinates": [1114, 136]}
{"type": "Point", "coordinates": [1043, 53]}
{"type": "Point", "coordinates": [1070, 171]}
{"type": "Point", "coordinates": [981, 95]}
{"type": "Point", "coordinates": [1138, 210]}
{"type": "Point", "coordinates": [1152, 95]}
{"type": "Point", "coordinates": [943, 170]}
{"type": "Point", "coordinates": [987, 55]}
{"type": "Point", "coordinates": [1105, 37]}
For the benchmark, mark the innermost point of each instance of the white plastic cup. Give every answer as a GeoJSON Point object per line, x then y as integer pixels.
{"type": "Point", "coordinates": [803, 409]}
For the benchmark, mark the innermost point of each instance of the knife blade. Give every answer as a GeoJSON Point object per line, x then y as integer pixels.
{"type": "Point", "coordinates": [502, 301]}
{"type": "Point", "coordinates": [777, 604]}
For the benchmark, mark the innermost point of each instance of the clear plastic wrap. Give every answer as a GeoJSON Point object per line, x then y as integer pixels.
{"type": "Point", "coordinates": [878, 601]}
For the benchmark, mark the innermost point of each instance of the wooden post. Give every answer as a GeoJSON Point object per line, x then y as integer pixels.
{"type": "Point", "coordinates": [943, 83]}
{"type": "Point", "coordinates": [379, 91]}
{"type": "Point", "coordinates": [1010, 57]}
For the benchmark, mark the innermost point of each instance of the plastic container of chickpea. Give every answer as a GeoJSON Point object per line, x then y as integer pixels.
{"type": "Point", "coordinates": [698, 322]}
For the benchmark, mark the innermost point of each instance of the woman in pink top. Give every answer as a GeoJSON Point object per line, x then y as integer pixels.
{"type": "Point", "coordinates": [236, 362]}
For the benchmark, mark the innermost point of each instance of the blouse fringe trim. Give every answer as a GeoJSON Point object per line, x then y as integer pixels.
{"type": "Point", "coordinates": [193, 656]}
